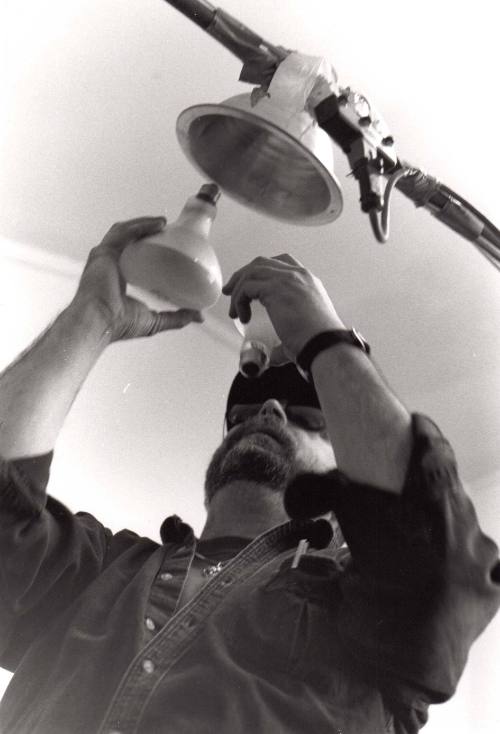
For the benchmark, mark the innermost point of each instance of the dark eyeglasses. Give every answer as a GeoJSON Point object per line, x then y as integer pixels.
{"type": "Point", "coordinates": [305, 416]}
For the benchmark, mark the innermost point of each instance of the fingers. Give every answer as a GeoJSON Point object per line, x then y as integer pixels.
{"type": "Point", "coordinates": [247, 290]}
{"type": "Point", "coordinates": [262, 267]}
{"type": "Point", "coordinates": [123, 234]}
{"type": "Point", "coordinates": [256, 281]}
{"type": "Point", "coordinates": [289, 259]}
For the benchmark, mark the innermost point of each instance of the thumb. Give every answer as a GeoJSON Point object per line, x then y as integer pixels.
{"type": "Point", "coordinates": [167, 320]}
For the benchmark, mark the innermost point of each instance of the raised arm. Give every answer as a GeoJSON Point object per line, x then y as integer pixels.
{"type": "Point", "coordinates": [38, 389]}
{"type": "Point", "coordinates": [422, 581]}
{"type": "Point", "coordinates": [369, 427]}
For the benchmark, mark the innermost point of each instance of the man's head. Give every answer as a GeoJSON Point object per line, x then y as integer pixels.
{"type": "Point", "coordinates": [275, 430]}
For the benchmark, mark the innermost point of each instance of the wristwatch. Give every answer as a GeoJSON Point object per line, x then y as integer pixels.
{"type": "Point", "coordinates": [326, 339]}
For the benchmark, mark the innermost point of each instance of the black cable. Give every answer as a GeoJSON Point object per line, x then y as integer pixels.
{"type": "Point", "coordinates": [453, 210]}
{"type": "Point", "coordinates": [491, 252]}
{"type": "Point", "coordinates": [199, 11]}
{"type": "Point", "coordinates": [488, 224]}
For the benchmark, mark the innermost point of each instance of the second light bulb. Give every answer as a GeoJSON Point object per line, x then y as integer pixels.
{"type": "Point", "coordinates": [259, 340]}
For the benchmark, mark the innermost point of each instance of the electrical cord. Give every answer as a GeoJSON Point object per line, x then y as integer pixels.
{"type": "Point", "coordinates": [381, 223]}
{"type": "Point", "coordinates": [454, 211]}
{"type": "Point", "coordinates": [487, 241]}
{"type": "Point", "coordinates": [490, 230]}
{"type": "Point", "coordinates": [489, 251]}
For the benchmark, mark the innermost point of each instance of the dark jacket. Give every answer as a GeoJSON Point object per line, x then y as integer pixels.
{"type": "Point", "coordinates": [356, 641]}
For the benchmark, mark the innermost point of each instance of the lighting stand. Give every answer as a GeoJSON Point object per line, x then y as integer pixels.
{"type": "Point", "coordinates": [348, 118]}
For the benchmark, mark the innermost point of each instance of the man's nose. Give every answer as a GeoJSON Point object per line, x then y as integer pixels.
{"type": "Point", "coordinates": [272, 408]}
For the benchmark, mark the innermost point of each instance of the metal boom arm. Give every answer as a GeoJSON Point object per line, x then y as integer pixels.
{"type": "Point", "coordinates": [370, 153]}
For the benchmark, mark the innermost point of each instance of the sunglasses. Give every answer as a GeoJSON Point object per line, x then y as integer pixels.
{"type": "Point", "coordinates": [304, 416]}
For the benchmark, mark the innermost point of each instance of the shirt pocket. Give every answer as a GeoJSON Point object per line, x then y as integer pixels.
{"type": "Point", "coordinates": [285, 623]}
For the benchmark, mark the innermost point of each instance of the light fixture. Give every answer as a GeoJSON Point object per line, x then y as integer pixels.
{"type": "Point", "coordinates": [266, 150]}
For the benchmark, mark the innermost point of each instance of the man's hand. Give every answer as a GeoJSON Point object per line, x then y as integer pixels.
{"type": "Point", "coordinates": [103, 285]}
{"type": "Point", "coordinates": [295, 299]}
{"type": "Point", "coordinates": [368, 426]}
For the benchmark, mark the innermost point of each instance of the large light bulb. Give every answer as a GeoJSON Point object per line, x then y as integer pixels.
{"type": "Point", "coordinates": [178, 265]}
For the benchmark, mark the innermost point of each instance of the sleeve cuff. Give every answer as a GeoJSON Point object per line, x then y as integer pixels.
{"type": "Point", "coordinates": [388, 534]}
{"type": "Point", "coordinates": [23, 483]}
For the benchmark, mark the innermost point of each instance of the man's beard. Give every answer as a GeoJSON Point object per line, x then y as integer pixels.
{"type": "Point", "coordinates": [267, 460]}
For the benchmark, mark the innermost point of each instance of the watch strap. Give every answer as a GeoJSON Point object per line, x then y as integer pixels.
{"type": "Point", "coordinates": [324, 340]}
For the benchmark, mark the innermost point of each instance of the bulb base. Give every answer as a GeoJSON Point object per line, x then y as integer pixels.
{"type": "Point", "coordinates": [255, 358]}
{"type": "Point", "coordinates": [209, 192]}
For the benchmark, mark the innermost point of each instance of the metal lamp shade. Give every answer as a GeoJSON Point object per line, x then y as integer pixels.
{"type": "Point", "coordinates": [268, 158]}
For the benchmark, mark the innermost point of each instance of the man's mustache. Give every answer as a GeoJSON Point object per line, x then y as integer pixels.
{"type": "Point", "coordinates": [260, 424]}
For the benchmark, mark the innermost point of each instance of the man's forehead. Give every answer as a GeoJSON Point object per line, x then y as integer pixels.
{"type": "Point", "coordinates": [280, 383]}
{"type": "Point", "coordinates": [284, 402]}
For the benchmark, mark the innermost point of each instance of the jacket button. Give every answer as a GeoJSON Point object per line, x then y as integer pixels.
{"type": "Point", "coordinates": [150, 624]}
{"type": "Point", "coordinates": [148, 666]}
{"type": "Point", "coordinates": [166, 576]}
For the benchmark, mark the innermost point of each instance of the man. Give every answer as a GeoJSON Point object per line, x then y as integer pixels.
{"type": "Point", "coordinates": [264, 625]}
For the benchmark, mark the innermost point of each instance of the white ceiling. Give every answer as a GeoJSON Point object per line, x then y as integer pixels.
{"type": "Point", "coordinates": [91, 92]}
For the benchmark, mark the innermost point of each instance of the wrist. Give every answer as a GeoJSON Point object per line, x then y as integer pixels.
{"type": "Point", "coordinates": [94, 317]}
{"type": "Point", "coordinates": [325, 340]}
{"type": "Point", "coordinates": [302, 339]}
